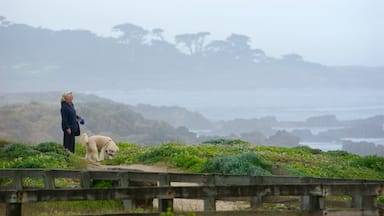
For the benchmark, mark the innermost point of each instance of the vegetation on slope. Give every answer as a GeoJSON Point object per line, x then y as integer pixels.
{"type": "Point", "coordinates": [217, 156]}
{"type": "Point", "coordinates": [227, 157]}
{"type": "Point", "coordinates": [43, 155]}
{"type": "Point", "coordinates": [238, 157]}
{"type": "Point", "coordinates": [38, 122]}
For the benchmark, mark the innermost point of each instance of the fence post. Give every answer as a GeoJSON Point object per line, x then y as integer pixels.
{"type": "Point", "coordinates": [124, 182]}
{"type": "Point", "coordinates": [49, 181]}
{"type": "Point", "coordinates": [312, 203]}
{"type": "Point", "coordinates": [14, 209]}
{"type": "Point", "coordinates": [210, 202]}
{"type": "Point", "coordinates": [165, 203]}
{"type": "Point", "coordinates": [17, 181]}
{"type": "Point", "coordinates": [256, 201]}
{"type": "Point", "coordinates": [85, 179]}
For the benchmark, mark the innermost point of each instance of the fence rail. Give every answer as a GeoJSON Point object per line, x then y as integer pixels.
{"type": "Point", "coordinates": [209, 187]}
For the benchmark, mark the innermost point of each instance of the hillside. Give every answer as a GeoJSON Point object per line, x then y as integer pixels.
{"type": "Point", "coordinates": [39, 122]}
{"type": "Point", "coordinates": [153, 124]}
{"type": "Point", "coordinates": [37, 58]}
{"type": "Point", "coordinates": [233, 157]}
{"type": "Point", "coordinates": [176, 116]}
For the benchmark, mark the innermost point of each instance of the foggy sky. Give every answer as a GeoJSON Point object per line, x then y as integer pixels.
{"type": "Point", "coordinates": [332, 32]}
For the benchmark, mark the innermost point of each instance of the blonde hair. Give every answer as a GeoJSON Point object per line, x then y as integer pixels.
{"type": "Point", "coordinates": [65, 95]}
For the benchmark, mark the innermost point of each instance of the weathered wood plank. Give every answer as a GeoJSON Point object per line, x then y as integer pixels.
{"type": "Point", "coordinates": [218, 192]}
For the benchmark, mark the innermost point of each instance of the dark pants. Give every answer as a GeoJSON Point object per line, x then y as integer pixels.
{"type": "Point", "coordinates": [69, 141]}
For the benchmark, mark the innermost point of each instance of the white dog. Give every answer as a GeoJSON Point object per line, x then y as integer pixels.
{"type": "Point", "coordinates": [97, 142]}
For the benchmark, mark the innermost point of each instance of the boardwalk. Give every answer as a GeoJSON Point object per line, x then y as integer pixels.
{"type": "Point", "coordinates": [312, 192]}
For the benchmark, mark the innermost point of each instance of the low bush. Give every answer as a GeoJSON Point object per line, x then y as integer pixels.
{"type": "Point", "coordinates": [308, 149]}
{"type": "Point", "coordinates": [161, 152]}
{"type": "Point", "coordinates": [52, 147]}
{"type": "Point", "coordinates": [338, 153]}
{"type": "Point", "coordinates": [188, 162]}
{"type": "Point", "coordinates": [44, 155]}
{"type": "Point", "coordinates": [16, 150]}
{"type": "Point", "coordinates": [371, 161]}
{"type": "Point", "coordinates": [244, 164]}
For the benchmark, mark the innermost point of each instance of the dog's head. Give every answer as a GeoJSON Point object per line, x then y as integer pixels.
{"type": "Point", "coordinates": [111, 150]}
{"type": "Point", "coordinates": [84, 138]}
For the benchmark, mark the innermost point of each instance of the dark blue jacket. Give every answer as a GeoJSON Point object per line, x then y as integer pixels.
{"type": "Point", "coordinates": [69, 117]}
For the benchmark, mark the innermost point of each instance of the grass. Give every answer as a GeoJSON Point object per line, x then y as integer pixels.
{"type": "Point", "coordinates": [221, 156]}
{"type": "Point", "coordinates": [236, 157]}
{"type": "Point", "coordinates": [300, 161]}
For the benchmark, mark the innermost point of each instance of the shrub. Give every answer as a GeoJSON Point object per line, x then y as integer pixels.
{"type": "Point", "coordinates": [187, 161]}
{"type": "Point", "coordinates": [308, 149]}
{"type": "Point", "coordinates": [338, 153]}
{"type": "Point", "coordinates": [164, 151]}
{"type": "Point", "coordinates": [244, 164]}
{"type": "Point", "coordinates": [36, 161]}
{"type": "Point", "coordinates": [52, 147]}
{"type": "Point", "coordinates": [44, 155]}
{"type": "Point", "coordinates": [16, 150]}
{"type": "Point", "coordinates": [380, 199]}
{"type": "Point", "coordinates": [371, 161]}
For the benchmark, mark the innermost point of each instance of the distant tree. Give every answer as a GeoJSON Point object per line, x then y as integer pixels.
{"type": "Point", "coordinates": [131, 34]}
{"type": "Point", "coordinates": [4, 21]}
{"type": "Point", "coordinates": [239, 41]}
{"type": "Point", "coordinates": [217, 46]}
{"type": "Point", "coordinates": [186, 40]}
{"type": "Point", "coordinates": [241, 50]}
{"type": "Point", "coordinates": [259, 55]}
{"type": "Point", "coordinates": [194, 42]}
{"type": "Point", "coordinates": [158, 33]}
{"type": "Point", "coordinates": [200, 40]}
{"type": "Point", "coordinates": [219, 50]}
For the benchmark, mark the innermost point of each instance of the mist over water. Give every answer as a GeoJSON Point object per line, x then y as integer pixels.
{"type": "Point", "coordinates": [294, 104]}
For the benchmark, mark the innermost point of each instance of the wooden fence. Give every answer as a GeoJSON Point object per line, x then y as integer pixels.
{"type": "Point", "coordinates": [208, 187]}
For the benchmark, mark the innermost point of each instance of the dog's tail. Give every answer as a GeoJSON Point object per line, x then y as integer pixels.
{"type": "Point", "coordinates": [84, 139]}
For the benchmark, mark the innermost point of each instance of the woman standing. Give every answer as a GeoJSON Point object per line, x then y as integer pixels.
{"type": "Point", "coordinates": [69, 122]}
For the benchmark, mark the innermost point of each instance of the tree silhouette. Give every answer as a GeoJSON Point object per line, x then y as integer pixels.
{"type": "Point", "coordinates": [239, 41]}
{"type": "Point", "coordinates": [4, 21]}
{"type": "Point", "coordinates": [194, 42]}
{"type": "Point", "coordinates": [241, 50]}
{"type": "Point", "coordinates": [218, 49]}
{"type": "Point", "coordinates": [259, 55]}
{"type": "Point", "coordinates": [158, 33]}
{"type": "Point", "coordinates": [187, 41]}
{"type": "Point", "coordinates": [131, 34]}
{"type": "Point", "coordinates": [200, 40]}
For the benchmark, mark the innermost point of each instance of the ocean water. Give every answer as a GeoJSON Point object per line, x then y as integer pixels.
{"type": "Point", "coordinates": [330, 146]}
{"type": "Point", "coordinates": [324, 146]}
{"type": "Point", "coordinates": [283, 103]}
